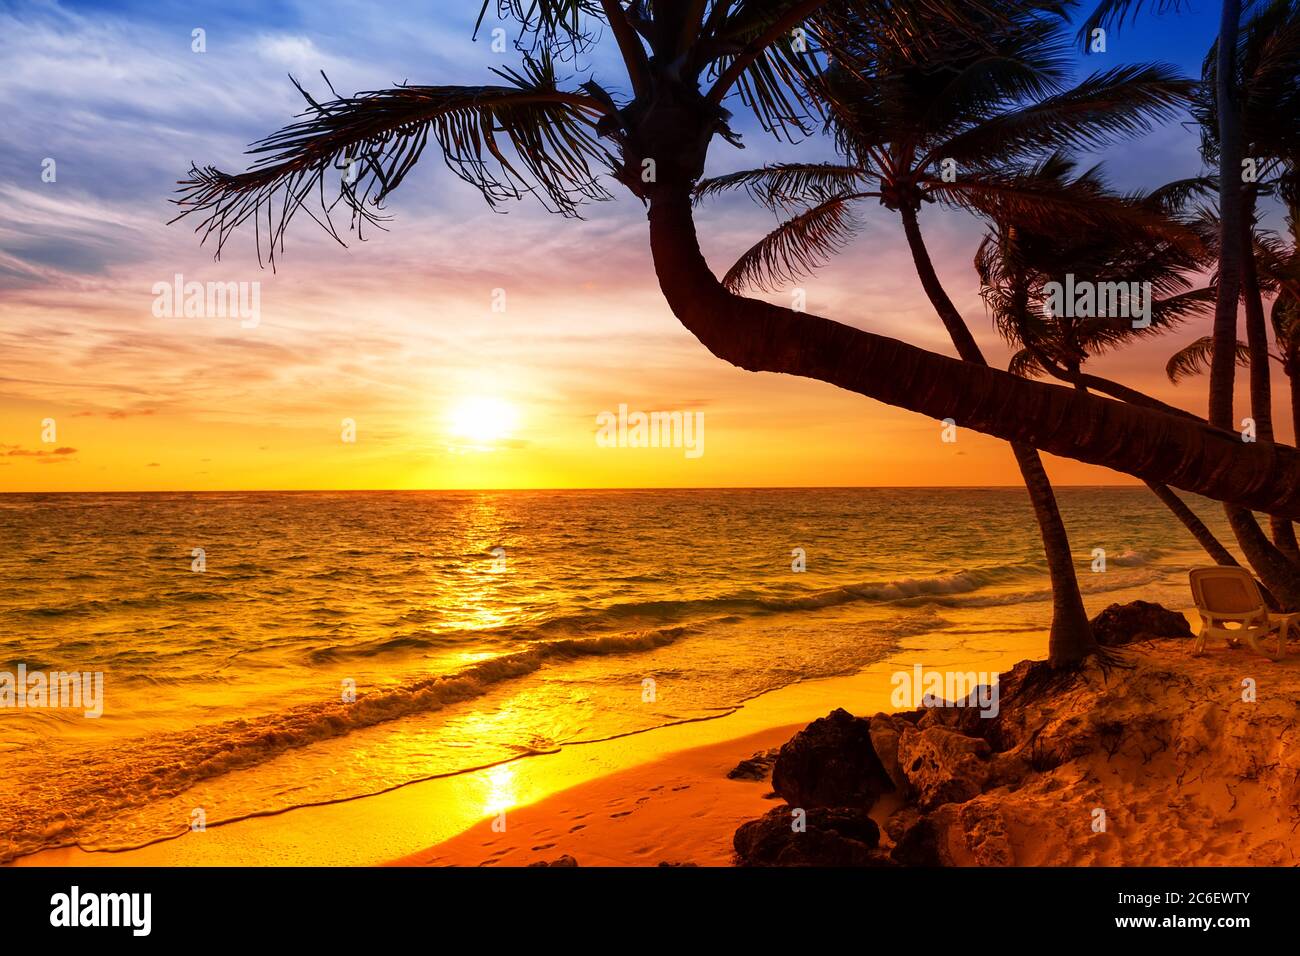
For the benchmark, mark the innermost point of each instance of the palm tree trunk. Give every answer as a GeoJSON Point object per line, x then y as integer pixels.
{"type": "Point", "coordinates": [1071, 639]}
{"type": "Point", "coordinates": [1285, 537]}
{"type": "Point", "coordinates": [1294, 383]}
{"type": "Point", "coordinates": [1280, 574]}
{"type": "Point", "coordinates": [1231, 219]}
{"type": "Point", "coordinates": [1295, 403]}
{"type": "Point", "coordinates": [1148, 444]}
{"type": "Point", "coordinates": [1203, 535]}
{"type": "Point", "coordinates": [1261, 385]}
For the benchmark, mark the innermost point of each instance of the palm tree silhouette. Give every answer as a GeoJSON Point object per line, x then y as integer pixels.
{"type": "Point", "coordinates": [954, 127]}
{"type": "Point", "coordinates": [1018, 260]}
{"type": "Point", "coordinates": [535, 134]}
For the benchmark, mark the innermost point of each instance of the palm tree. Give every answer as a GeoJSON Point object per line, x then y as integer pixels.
{"type": "Point", "coordinates": [905, 123]}
{"type": "Point", "coordinates": [1277, 267]}
{"type": "Point", "coordinates": [1228, 131]}
{"type": "Point", "coordinates": [1225, 114]}
{"type": "Point", "coordinates": [1265, 58]}
{"type": "Point", "coordinates": [536, 134]}
{"type": "Point", "coordinates": [1019, 258]}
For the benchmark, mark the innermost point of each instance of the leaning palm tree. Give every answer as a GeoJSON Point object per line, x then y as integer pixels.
{"type": "Point", "coordinates": [906, 123]}
{"type": "Point", "coordinates": [534, 132]}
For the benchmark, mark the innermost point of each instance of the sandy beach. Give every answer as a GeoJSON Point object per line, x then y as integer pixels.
{"type": "Point", "coordinates": [659, 796]}
{"type": "Point", "coordinates": [1122, 748]}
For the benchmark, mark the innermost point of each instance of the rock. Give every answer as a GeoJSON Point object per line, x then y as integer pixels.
{"type": "Point", "coordinates": [914, 838]}
{"type": "Point", "coordinates": [943, 766]}
{"type": "Point", "coordinates": [565, 860]}
{"type": "Point", "coordinates": [1137, 621]}
{"type": "Point", "coordinates": [677, 863]}
{"type": "Point", "coordinates": [831, 763]}
{"type": "Point", "coordinates": [885, 730]}
{"type": "Point", "coordinates": [756, 767]}
{"type": "Point", "coordinates": [970, 834]}
{"type": "Point", "coordinates": [839, 836]}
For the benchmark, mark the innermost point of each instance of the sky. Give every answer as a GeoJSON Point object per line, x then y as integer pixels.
{"type": "Point", "coordinates": [461, 348]}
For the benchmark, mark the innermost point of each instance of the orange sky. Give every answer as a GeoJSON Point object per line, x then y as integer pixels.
{"type": "Point", "coordinates": [398, 333]}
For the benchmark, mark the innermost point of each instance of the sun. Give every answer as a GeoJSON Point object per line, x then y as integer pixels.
{"type": "Point", "coordinates": [482, 420]}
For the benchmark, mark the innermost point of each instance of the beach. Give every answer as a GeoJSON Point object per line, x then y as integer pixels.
{"type": "Point", "coordinates": [660, 796]}
{"type": "Point", "coordinates": [664, 798]}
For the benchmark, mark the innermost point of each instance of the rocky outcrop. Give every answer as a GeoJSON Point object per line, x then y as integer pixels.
{"type": "Point", "coordinates": [1168, 759]}
{"type": "Point", "coordinates": [831, 763]}
{"type": "Point", "coordinates": [943, 766]}
{"type": "Point", "coordinates": [885, 731]}
{"type": "Point", "coordinates": [1137, 621]}
{"type": "Point", "coordinates": [827, 837]}
{"type": "Point", "coordinates": [564, 860]}
{"type": "Point", "coordinates": [756, 767]}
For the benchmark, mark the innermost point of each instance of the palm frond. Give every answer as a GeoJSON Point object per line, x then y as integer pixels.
{"type": "Point", "coordinates": [1112, 14]}
{"type": "Point", "coordinates": [553, 25]}
{"type": "Point", "coordinates": [1194, 359]}
{"type": "Point", "coordinates": [795, 248]}
{"type": "Point", "coordinates": [781, 185]}
{"type": "Point", "coordinates": [508, 141]}
{"type": "Point", "coordinates": [768, 53]}
{"type": "Point", "coordinates": [1024, 364]}
{"type": "Point", "coordinates": [1120, 102]}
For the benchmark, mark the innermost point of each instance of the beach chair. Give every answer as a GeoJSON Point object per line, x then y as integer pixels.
{"type": "Point", "coordinates": [1231, 607]}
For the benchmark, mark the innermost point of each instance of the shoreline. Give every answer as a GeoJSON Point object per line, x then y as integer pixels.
{"type": "Point", "coordinates": [422, 822]}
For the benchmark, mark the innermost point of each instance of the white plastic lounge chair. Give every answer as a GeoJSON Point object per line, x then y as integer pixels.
{"type": "Point", "coordinates": [1231, 607]}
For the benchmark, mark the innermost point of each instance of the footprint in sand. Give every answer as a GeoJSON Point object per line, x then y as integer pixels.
{"type": "Point", "coordinates": [580, 826]}
{"type": "Point", "coordinates": [685, 786]}
{"type": "Point", "coordinates": [544, 846]}
{"type": "Point", "coordinates": [622, 814]}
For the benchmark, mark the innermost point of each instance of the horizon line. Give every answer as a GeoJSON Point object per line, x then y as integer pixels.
{"type": "Point", "coordinates": [305, 491]}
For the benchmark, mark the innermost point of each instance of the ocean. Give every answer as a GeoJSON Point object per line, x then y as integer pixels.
{"type": "Point", "coordinates": [263, 651]}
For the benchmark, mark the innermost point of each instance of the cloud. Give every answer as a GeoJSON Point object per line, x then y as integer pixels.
{"type": "Point", "coordinates": [20, 452]}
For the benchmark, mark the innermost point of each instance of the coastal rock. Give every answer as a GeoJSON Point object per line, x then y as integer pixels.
{"type": "Point", "coordinates": [831, 763]}
{"type": "Point", "coordinates": [914, 838]}
{"type": "Point", "coordinates": [1158, 745]}
{"type": "Point", "coordinates": [839, 836]}
{"type": "Point", "coordinates": [943, 766]}
{"type": "Point", "coordinates": [564, 860]}
{"type": "Point", "coordinates": [970, 834]}
{"type": "Point", "coordinates": [756, 767]}
{"type": "Point", "coordinates": [1137, 621]}
{"type": "Point", "coordinates": [885, 730]}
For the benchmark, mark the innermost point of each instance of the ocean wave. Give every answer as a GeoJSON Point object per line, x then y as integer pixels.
{"type": "Point", "coordinates": [166, 765]}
